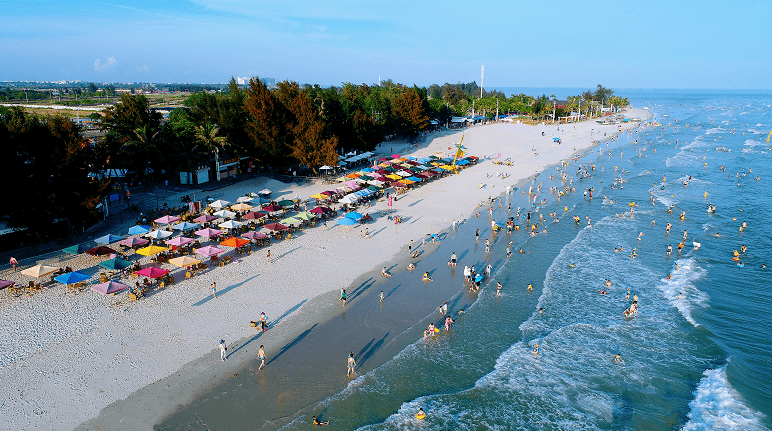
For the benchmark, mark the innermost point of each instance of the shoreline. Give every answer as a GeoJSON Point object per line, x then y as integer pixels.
{"type": "Point", "coordinates": [178, 331]}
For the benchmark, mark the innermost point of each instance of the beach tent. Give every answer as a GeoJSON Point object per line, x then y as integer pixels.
{"type": "Point", "coordinates": [131, 242]}
{"type": "Point", "coordinates": [116, 263]}
{"type": "Point", "coordinates": [179, 241]}
{"type": "Point", "coordinates": [108, 239]}
{"type": "Point", "coordinates": [184, 261]}
{"type": "Point", "coordinates": [354, 216]}
{"type": "Point", "coordinates": [185, 226]}
{"type": "Point", "coordinates": [75, 249]}
{"type": "Point", "coordinates": [138, 230]}
{"type": "Point", "coordinates": [234, 242]}
{"type": "Point", "coordinates": [346, 221]}
{"type": "Point", "coordinates": [151, 250]}
{"type": "Point", "coordinates": [219, 203]}
{"type": "Point", "coordinates": [225, 214]}
{"type": "Point", "coordinates": [208, 251]}
{"type": "Point", "coordinates": [204, 218]}
{"type": "Point", "coordinates": [99, 251]}
{"type": "Point", "coordinates": [152, 272]}
{"type": "Point", "coordinates": [255, 235]}
{"type": "Point", "coordinates": [208, 232]}
{"type": "Point", "coordinates": [40, 270]}
{"type": "Point", "coordinates": [109, 288]}
{"type": "Point", "coordinates": [167, 219]}
{"type": "Point", "coordinates": [72, 277]}
{"type": "Point", "coordinates": [159, 234]}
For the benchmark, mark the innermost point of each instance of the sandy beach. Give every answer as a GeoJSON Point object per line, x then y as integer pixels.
{"type": "Point", "coordinates": [105, 362]}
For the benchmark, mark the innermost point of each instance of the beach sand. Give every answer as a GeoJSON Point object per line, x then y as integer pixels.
{"type": "Point", "coordinates": [78, 354]}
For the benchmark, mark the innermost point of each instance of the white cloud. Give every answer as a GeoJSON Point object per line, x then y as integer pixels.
{"type": "Point", "coordinates": [103, 67]}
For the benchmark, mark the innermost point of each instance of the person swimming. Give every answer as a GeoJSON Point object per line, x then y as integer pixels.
{"type": "Point", "coordinates": [530, 287]}
{"type": "Point", "coordinates": [421, 414]}
{"type": "Point", "coordinates": [618, 359]}
{"type": "Point", "coordinates": [318, 422]}
{"type": "Point", "coordinates": [535, 351]}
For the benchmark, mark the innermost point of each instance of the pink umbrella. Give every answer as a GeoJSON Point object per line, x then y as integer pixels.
{"type": "Point", "coordinates": [255, 235]}
{"type": "Point", "coordinates": [180, 240]}
{"type": "Point", "coordinates": [204, 218]}
{"type": "Point", "coordinates": [152, 272]}
{"type": "Point", "coordinates": [208, 232]}
{"type": "Point", "coordinates": [166, 219]}
{"type": "Point", "coordinates": [208, 251]}
{"type": "Point", "coordinates": [5, 283]}
{"type": "Point", "coordinates": [254, 215]}
{"type": "Point", "coordinates": [131, 242]}
{"type": "Point", "coordinates": [395, 156]}
{"type": "Point", "coordinates": [109, 287]}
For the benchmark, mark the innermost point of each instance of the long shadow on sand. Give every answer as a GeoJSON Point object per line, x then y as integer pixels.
{"type": "Point", "coordinates": [289, 345]}
{"type": "Point", "coordinates": [224, 291]}
{"type": "Point", "coordinates": [271, 325]}
{"type": "Point", "coordinates": [370, 349]}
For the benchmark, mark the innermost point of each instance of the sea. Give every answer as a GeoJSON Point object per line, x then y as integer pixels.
{"type": "Point", "coordinates": [695, 356]}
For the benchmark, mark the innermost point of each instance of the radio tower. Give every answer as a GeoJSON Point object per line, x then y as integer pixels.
{"type": "Point", "coordinates": [482, 75]}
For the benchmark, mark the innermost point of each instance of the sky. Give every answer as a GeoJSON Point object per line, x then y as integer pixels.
{"type": "Point", "coordinates": [619, 44]}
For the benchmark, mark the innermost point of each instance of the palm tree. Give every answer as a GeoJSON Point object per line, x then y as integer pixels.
{"type": "Point", "coordinates": [206, 134]}
{"type": "Point", "coordinates": [142, 147]}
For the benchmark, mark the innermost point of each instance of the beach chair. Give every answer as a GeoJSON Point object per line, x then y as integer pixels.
{"type": "Point", "coordinates": [188, 274]}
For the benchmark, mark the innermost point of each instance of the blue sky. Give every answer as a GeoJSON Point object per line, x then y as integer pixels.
{"type": "Point", "coordinates": [620, 44]}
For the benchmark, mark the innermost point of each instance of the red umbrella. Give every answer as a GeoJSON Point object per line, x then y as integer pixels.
{"type": "Point", "coordinates": [99, 251]}
{"type": "Point", "coordinates": [254, 215]}
{"type": "Point", "coordinates": [320, 210]}
{"type": "Point", "coordinates": [275, 227]}
{"type": "Point", "coordinates": [152, 272]}
{"type": "Point", "coordinates": [272, 208]}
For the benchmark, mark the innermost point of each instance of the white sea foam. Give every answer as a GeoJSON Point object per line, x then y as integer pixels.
{"type": "Point", "coordinates": [682, 281]}
{"type": "Point", "coordinates": [718, 406]}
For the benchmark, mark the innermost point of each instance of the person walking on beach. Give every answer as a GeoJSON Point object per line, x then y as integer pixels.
{"type": "Point", "coordinates": [381, 296]}
{"type": "Point", "coordinates": [261, 356]}
{"type": "Point", "coordinates": [263, 321]}
{"type": "Point", "coordinates": [410, 247]}
{"type": "Point", "coordinates": [351, 364]}
{"type": "Point", "coordinates": [498, 288]}
{"type": "Point", "coordinates": [214, 289]}
{"type": "Point", "coordinates": [223, 351]}
{"type": "Point", "coordinates": [268, 256]}
{"type": "Point", "coordinates": [343, 296]}
{"type": "Point", "coordinates": [14, 263]}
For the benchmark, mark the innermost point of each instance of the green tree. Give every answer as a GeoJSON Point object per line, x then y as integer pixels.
{"type": "Point", "coordinates": [206, 136]}
{"type": "Point", "coordinates": [268, 123]}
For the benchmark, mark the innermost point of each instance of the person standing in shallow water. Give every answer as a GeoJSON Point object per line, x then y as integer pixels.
{"type": "Point", "coordinates": [351, 363]}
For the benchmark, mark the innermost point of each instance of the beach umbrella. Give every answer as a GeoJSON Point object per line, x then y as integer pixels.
{"type": "Point", "coordinates": [108, 239]}
{"type": "Point", "coordinates": [234, 242]}
{"type": "Point", "coordinates": [241, 207]}
{"type": "Point", "coordinates": [264, 192]}
{"type": "Point", "coordinates": [167, 219]}
{"type": "Point", "coordinates": [349, 199]}
{"type": "Point", "coordinates": [75, 249]}
{"type": "Point", "coordinates": [285, 203]}
{"type": "Point", "coordinates": [230, 224]}
{"type": "Point", "coordinates": [5, 283]}
{"type": "Point", "coordinates": [244, 199]}
{"type": "Point", "coordinates": [185, 226]}
{"type": "Point", "coordinates": [254, 215]}
{"type": "Point", "coordinates": [353, 215]}
{"type": "Point", "coordinates": [40, 270]}
{"type": "Point", "coordinates": [179, 241]}
{"type": "Point", "coordinates": [116, 263]}
{"type": "Point", "coordinates": [208, 232]}
{"type": "Point", "coordinates": [346, 221]}
{"type": "Point", "coordinates": [275, 227]}
{"type": "Point", "coordinates": [138, 230]}
{"type": "Point", "coordinates": [184, 261]}
{"type": "Point", "coordinates": [99, 251]}
{"type": "Point", "coordinates": [317, 210]}
{"type": "Point", "coordinates": [109, 288]}
{"type": "Point", "coordinates": [151, 250]}
{"type": "Point", "coordinates": [72, 277]}
{"type": "Point", "coordinates": [159, 234]}
{"type": "Point", "coordinates": [305, 215]}
{"type": "Point", "coordinates": [219, 203]}
{"type": "Point", "coordinates": [152, 272]}
{"type": "Point", "coordinates": [204, 218]}
{"type": "Point", "coordinates": [255, 235]}
{"type": "Point", "coordinates": [209, 250]}
{"type": "Point", "coordinates": [261, 200]}
{"type": "Point", "coordinates": [291, 220]}
{"type": "Point", "coordinates": [131, 242]}
{"type": "Point", "coordinates": [225, 214]}
{"type": "Point", "coordinates": [272, 208]}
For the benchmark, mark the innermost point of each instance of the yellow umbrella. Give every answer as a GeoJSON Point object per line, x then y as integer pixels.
{"type": "Point", "coordinates": [394, 177]}
{"type": "Point", "coordinates": [150, 250]}
{"type": "Point", "coordinates": [305, 215]}
{"type": "Point", "coordinates": [241, 207]}
{"type": "Point", "coordinates": [406, 181]}
{"type": "Point", "coordinates": [447, 167]}
{"type": "Point", "coordinates": [184, 261]}
{"type": "Point", "coordinates": [319, 196]}
{"type": "Point", "coordinates": [291, 220]}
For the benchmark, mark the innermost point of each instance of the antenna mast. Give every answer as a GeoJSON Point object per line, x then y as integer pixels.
{"type": "Point", "coordinates": [482, 75]}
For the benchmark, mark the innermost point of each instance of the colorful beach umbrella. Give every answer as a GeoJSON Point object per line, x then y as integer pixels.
{"type": "Point", "coordinates": [167, 219]}
{"type": "Point", "coordinates": [245, 199]}
{"type": "Point", "coordinates": [285, 203]}
{"type": "Point", "coordinates": [225, 214]}
{"type": "Point", "coordinates": [241, 207]}
{"type": "Point", "coordinates": [40, 270]}
{"type": "Point", "coordinates": [219, 203]}
{"type": "Point", "coordinates": [208, 251]}
{"type": "Point", "coordinates": [253, 215]}
{"type": "Point", "coordinates": [234, 242]}
{"type": "Point", "coordinates": [291, 220]}
{"type": "Point", "coordinates": [179, 241]}
{"type": "Point", "coordinates": [138, 229]}
{"type": "Point", "coordinates": [151, 250]}
{"type": "Point", "coordinates": [100, 251]}
{"type": "Point", "coordinates": [272, 208]}
{"type": "Point", "coordinates": [208, 232]}
{"type": "Point", "coordinates": [109, 288]}
{"type": "Point", "coordinates": [353, 215]}
{"type": "Point", "coordinates": [116, 263]}
{"type": "Point", "coordinates": [346, 221]}
{"type": "Point", "coordinates": [186, 226]}
{"type": "Point", "coordinates": [152, 272]}
{"type": "Point", "coordinates": [305, 215]}
{"type": "Point", "coordinates": [133, 241]}
{"type": "Point", "coordinates": [159, 234]}
{"type": "Point", "coordinates": [72, 277]}
{"type": "Point", "coordinates": [275, 227]}
{"type": "Point", "coordinates": [184, 261]}
{"type": "Point", "coordinates": [204, 218]}
{"type": "Point", "coordinates": [5, 283]}
{"type": "Point", "coordinates": [75, 249]}
{"type": "Point", "coordinates": [255, 235]}
{"type": "Point", "coordinates": [108, 239]}
{"type": "Point", "coordinates": [230, 224]}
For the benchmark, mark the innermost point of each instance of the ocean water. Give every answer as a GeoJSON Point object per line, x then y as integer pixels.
{"type": "Point", "coordinates": [697, 354]}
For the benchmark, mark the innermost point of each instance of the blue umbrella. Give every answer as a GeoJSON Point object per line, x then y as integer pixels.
{"type": "Point", "coordinates": [138, 229]}
{"type": "Point", "coordinates": [353, 216]}
{"type": "Point", "coordinates": [108, 239]}
{"type": "Point", "coordinates": [75, 249]}
{"type": "Point", "coordinates": [71, 278]}
{"type": "Point", "coordinates": [416, 179]}
{"type": "Point", "coordinates": [185, 226]}
{"type": "Point", "coordinates": [346, 221]}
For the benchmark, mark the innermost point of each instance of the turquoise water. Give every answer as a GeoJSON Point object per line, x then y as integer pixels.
{"type": "Point", "coordinates": [696, 362]}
